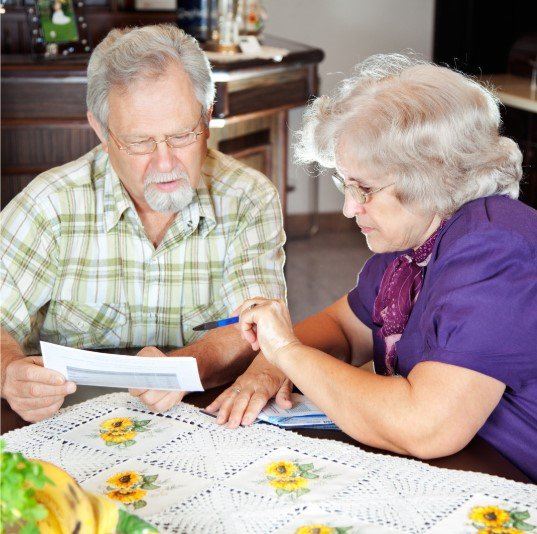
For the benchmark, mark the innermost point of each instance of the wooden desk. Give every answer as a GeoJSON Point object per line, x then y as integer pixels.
{"type": "Point", "coordinates": [478, 456]}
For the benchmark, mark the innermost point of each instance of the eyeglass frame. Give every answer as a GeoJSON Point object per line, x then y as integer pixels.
{"type": "Point", "coordinates": [155, 142]}
{"type": "Point", "coordinates": [356, 191]}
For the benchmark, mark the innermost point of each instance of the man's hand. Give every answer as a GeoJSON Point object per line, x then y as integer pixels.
{"type": "Point", "coordinates": [242, 402]}
{"type": "Point", "coordinates": [157, 400]}
{"type": "Point", "coordinates": [34, 392]}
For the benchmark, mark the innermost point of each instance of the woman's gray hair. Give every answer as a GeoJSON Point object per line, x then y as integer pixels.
{"type": "Point", "coordinates": [434, 129]}
{"type": "Point", "coordinates": [128, 55]}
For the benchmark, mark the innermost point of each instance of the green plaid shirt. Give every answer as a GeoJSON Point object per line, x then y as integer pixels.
{"type": "Point", "coordinates": [78, 270]}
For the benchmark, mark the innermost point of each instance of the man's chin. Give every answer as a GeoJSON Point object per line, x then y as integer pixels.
{"type": "Point", "coordinates": [168, 202]}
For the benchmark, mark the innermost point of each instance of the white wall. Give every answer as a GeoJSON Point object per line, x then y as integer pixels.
{"type": "Point", "coordinates": [348, 31]}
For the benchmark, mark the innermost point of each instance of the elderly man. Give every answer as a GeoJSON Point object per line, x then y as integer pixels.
{"type": "Point", "coordinates": [142, 238]}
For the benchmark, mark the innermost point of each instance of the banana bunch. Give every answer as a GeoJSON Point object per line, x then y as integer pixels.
{"type": "Point", "coordinates": [73, 510]}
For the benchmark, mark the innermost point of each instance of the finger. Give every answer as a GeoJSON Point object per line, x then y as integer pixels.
{"type": "Point", "coordinates": [32, 390]}
{"type": "Point", "coordinates": [32, 404]}
{"type": "Point", "coordinates": [284, 396]}
{"type": "Point", "coordinates": [137, 392]}
{"type": "Point", "coordinates": [229, 398]}
{"type": "Point", "coordinates": [171, 399]}
{"type": "Point", "coordinates": [150, 352]}
{"type": "Point", "coordinates": [256, 404]}
{"type": "Point", "coordinates": [33, 416]}
{"type": "Point", "coordinates": [31, 370]}
{"type": "Point", "coordinates": [238, 407]}
{"type": "Point", "coordinates": [161, 401]}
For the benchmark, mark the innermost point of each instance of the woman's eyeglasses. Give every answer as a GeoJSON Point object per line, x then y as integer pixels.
{"type": "Point", "coordinates": [357, 193]}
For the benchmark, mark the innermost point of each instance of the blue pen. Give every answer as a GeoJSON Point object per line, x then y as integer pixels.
{"type": "Point", "coordinates": [215, 324]}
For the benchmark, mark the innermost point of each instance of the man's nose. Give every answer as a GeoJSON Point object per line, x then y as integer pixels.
{"type": "Point", "coordinates": [164, 156]}
{"type": "Point", "coordinates": [351, 207]}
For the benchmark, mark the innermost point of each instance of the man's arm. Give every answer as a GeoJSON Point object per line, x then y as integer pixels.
{"type": "Point", "coordinates": [34, 392]}
{"type": "Point", "coordinates": [221, 355]}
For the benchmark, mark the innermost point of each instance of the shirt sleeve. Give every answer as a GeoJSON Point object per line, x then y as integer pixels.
{"type": "Point", "coordinates": [27, 265]}
{"type": "Point", "coordinates": [255, 256]}
{"type": "Point", "coordinates": [481, 312]}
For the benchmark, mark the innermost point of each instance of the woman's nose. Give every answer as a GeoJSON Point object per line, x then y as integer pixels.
{"type": "Point", "coordinates": [351, 207]}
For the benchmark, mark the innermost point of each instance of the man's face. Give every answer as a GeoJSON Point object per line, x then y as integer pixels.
{"type": "Point", "coordinates": [155, 108]}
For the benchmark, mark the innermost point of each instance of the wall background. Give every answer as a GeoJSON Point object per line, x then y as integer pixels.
{"type": "Point", "coordinates": [348, 31]}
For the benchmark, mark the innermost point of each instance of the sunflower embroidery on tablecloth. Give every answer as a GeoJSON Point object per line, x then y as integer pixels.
{"type": "Point", "coordinates": [496, 520]}
{"type": "Point", "coordinates": [121, 431]}
{"type": "Point", "coordinates": [130, 488]}
{"type": "Point", "coordinates": [290, 478]}
{"type": "Point", "coordinates": [321, 529]}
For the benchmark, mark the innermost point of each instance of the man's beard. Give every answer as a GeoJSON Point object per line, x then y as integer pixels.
{"type": "Point", "coordinates": [172, 201]}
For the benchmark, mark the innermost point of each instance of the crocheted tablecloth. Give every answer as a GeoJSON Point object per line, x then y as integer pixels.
{"type": "Point", "coordinates": [184, 473]}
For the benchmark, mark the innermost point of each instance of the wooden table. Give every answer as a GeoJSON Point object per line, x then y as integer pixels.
{"type": "Point", "coordinates": [477, 456]}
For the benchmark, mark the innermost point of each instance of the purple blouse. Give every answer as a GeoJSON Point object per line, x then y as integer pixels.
{"type": "Point", "coordinates": [477, 309]}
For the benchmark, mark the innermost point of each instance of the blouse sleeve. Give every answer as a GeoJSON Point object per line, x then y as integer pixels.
{"type": "Point", "coordinates": [481, 311]}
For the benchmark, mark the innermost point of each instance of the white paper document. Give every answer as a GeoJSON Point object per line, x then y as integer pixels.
{"type": "Point", "coordinates": [303, 414]}
{"type": "Point", "coordinates": [90, 368]}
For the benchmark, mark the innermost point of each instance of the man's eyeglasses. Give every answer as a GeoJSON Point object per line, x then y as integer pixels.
{"type": "Point", "coordinates": [358, 194]}
{"type": "Point", "coordinates": [148, 146]}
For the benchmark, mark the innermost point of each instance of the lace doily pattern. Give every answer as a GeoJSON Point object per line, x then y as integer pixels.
{"type": "Point", "coordinates": [255, 479]}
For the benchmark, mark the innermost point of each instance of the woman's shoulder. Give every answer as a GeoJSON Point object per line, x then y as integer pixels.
{"type": "Point", "coordinates": [499, 218]}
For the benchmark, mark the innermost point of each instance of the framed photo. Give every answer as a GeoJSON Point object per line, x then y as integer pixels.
{"type": "Point", "coordinates": [58, 28]}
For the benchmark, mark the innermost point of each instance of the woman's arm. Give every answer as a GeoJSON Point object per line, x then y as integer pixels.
{"type": "Point", "coordinates": [335, 330]}
{"type": "Point", "coordinates": [435, 411]}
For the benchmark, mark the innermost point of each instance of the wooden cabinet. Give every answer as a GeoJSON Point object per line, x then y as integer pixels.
{"type": "Point", "coordinates": [44, 111]}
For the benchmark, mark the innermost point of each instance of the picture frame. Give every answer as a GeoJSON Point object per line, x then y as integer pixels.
{"type": "Point", "coordinates": [58, 28]}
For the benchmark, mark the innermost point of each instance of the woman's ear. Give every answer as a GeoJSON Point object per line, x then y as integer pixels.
{"type": "Point", "coordinates": [96, 126]}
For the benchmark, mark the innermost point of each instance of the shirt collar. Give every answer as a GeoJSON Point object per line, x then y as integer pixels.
{"type": "Point", "coordinates": [116, 198]}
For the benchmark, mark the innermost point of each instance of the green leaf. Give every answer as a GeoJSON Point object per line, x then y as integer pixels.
{"type": "Point", "coordinates": [521, 525]}
{"type": "Point", "coordinates": [111, 444]}
{"type": "Point", "coordinates": [305, 467]}
{"type": "Point", "coordinates": [139, 504]}
{"type": "Point", "coordinates": [144, 422]}
{"type": "Point", "coordinates": [301, 491]}
{"type": "Point", "coordinates": [342, 530]}
{"type": "Point", "coordinates": [132, 524]}
{"type": "Point", "coordinates": [129, 443]}
{"type": "Point", "coordinates": [520, 515]}
{"type": "Point", "coordinates": [150, 478]}
{"type": "Point", "coordinates": [280, 492]}
{"type": "Point", "coordinates": [308, 475]}
{"type": "Point", "coordinates": [149, 486]}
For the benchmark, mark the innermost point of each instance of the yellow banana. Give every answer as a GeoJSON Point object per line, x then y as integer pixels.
{"type": "Point", "coordinates": [49, 525]}
{"type": "Point", "coordinates": [66, 501]}
{"type": "Point", "coordinates": [105, 512]}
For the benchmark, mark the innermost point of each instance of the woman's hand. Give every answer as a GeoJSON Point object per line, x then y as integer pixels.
{"type": "Point", "coordinates": [266, 325]}
{"type": "Point", "coordinates": [241, 403]}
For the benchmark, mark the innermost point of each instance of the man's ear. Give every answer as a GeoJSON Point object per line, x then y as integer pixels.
{"type": "Point", "coordinates": [96, 126]}
{"type": "Point", "coordinates": [209, 117]}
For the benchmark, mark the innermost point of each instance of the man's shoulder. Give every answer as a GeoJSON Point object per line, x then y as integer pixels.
{"type": "Point", "coordinates": [230, 177]}
{"type": "Point", "coordinates": [77, 174]}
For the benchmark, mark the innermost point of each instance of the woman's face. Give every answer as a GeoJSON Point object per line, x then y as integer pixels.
{"type": "Point", "coordinates": [387, 224]}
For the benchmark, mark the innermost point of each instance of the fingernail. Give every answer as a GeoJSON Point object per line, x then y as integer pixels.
{"type": "Point", "coordinates": [71, 387]}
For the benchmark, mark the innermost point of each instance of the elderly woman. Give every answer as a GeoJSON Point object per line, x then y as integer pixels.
{"type": "Point", "coordinates": [447, 306]}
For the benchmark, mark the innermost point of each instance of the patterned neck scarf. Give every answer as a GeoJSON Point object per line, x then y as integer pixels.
{"type": "Point", "coordinates": [399, 290]}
